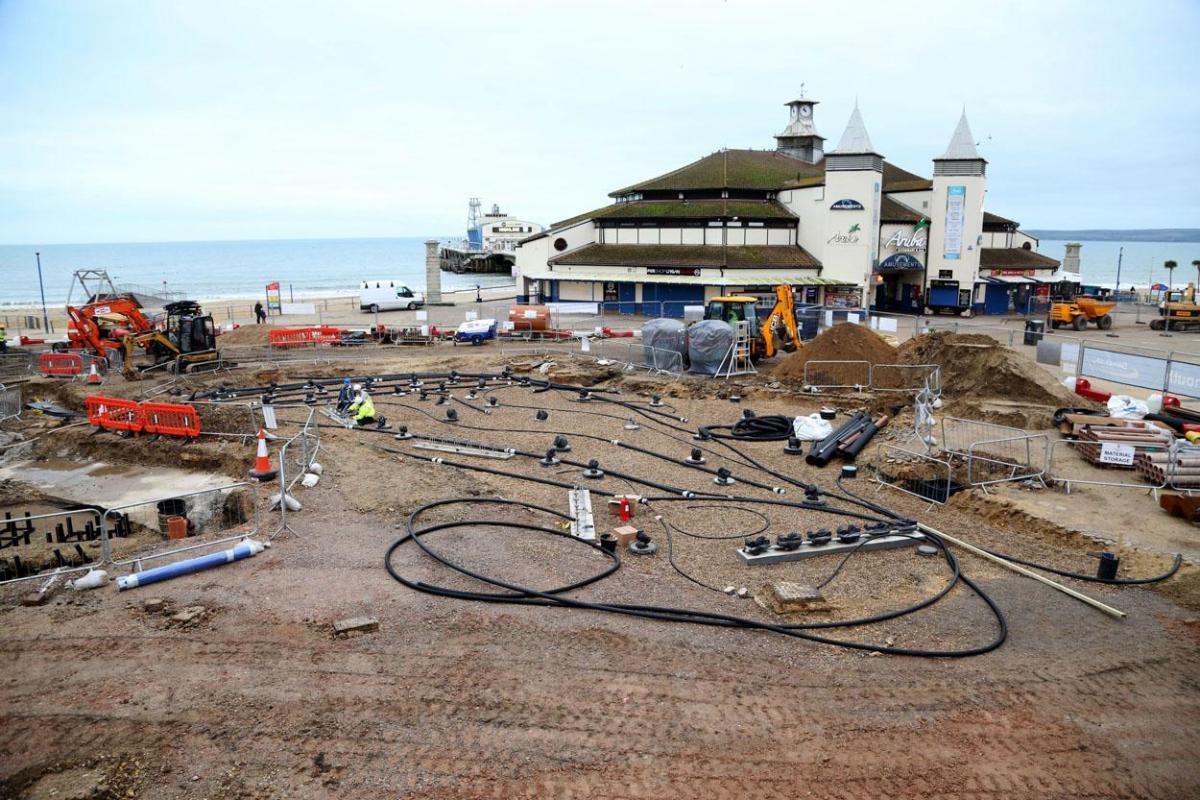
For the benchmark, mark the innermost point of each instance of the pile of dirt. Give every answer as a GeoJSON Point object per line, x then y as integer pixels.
{"type": "Point", "coordinates": [978, 366]}
{"type": "Point", "coordinates": [246, 335]}
{"type": "Point", "coordinates": [844, 342]}
{"type": "Point", "coordinates": [984, 380]}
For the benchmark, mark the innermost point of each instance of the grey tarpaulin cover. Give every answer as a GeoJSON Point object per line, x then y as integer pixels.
{"type": "Point", "coordinates": [708, 346]}
{"type": "Point", "coordinates": [665, 343]}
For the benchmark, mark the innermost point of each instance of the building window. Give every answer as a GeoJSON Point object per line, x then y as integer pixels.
{"type": "Point", "coordinates": [610, 292]}
{"type": "Point", "coordinates": [560, 244]}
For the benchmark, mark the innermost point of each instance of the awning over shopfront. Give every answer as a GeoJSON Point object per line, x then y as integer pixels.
{"type": "Point", "coordinates": [1008, 279]}
{"type": "Point", "coordinates": [710, 277]}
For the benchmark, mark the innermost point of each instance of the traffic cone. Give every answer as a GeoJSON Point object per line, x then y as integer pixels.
{"type": "Point", "coordinates": [93, 374]}
{"type": "Point", "coordinates": [262, 463]}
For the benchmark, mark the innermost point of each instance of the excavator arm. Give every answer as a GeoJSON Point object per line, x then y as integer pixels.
{"type": "Point", "coordinates": [88, 330]}
{"type": "Point", "coordinates": [781, 322]}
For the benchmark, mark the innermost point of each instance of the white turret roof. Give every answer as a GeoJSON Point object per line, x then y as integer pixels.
{"type": "Point", "coordinates": [962, 143]}
{"type": "Point", "coordinates": [855, 138]}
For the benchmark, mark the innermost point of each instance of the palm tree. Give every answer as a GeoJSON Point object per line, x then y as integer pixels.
{"type": "Point", "coordinates": [1170, 265]}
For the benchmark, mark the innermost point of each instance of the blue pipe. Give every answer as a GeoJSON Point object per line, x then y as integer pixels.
{"type": "Point", "coordinates": [242, 550]}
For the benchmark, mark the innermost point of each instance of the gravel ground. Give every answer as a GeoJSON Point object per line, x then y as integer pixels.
{"type": "Point", "coordinates": [256, 698]}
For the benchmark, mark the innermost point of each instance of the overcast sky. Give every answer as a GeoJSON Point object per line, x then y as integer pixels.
{"type": "Point", "coordinates": [159, 121]}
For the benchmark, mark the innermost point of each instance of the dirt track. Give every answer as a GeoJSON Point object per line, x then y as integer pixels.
{"type": "Point", "coordinates": [452, 699]}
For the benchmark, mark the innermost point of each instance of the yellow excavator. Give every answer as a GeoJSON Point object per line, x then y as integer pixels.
{"type": "Point", "coordinates": [777, 330]}
{"type": "Point", "coordinates": [189, 342]}
{"type": "Point", "coordinates": [1179, 312]}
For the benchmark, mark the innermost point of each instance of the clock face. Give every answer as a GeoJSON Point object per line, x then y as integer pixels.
{"type": "Point", "coordinates": [805, 111]}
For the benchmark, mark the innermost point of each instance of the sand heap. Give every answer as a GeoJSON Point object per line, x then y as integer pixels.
{"type": "Point", "coordinates": [245, 335]}
{"type": "Point", "coordinates": [843, 342]}
{"type": "Point", "coordinates": [974, 365]}
{"type": "Point", "coordinates": [982, 379]}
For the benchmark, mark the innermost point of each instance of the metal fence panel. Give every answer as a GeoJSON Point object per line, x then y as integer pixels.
{"type": "Point", "coordinates": [1013, 459]}
{"type": "Point", "coordinates": [1074, 461]}
{"type": "Point", "coordinates": [918, 474]}
{"type": "Point", "coordinates": [10, 402]}
{"type": "Point", "coordinates": [837, 374]}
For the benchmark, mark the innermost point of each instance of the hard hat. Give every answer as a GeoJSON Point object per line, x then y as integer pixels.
{"type": "Point", "coordinates": [358, 387]}
{"type": "Point", "coordinates": [345, 381]}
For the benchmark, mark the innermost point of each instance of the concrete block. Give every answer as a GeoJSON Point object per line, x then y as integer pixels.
{"type": "Point", "coordinates": [188, 615]}
{"type": "Point", "coordinates": [787, 597]}
{"type": "Point", "coordinates": [344, 627]}
{"type": "Point", "coordinates": [154, 605]}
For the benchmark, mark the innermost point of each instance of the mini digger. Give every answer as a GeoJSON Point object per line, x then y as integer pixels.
{"type": "Point", "coordinates": [189, 342]}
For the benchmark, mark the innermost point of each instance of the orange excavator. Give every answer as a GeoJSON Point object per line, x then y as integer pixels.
{"type": "Point", "coordinates": [777, 330]}
{"type": "Point", "coordinates": [103, 324]}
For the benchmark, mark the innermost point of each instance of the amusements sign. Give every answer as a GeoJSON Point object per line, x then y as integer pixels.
{"type": "Point", "coordinates": [273, 298]}
{"type": "Point", "coordinates": [956, 198]}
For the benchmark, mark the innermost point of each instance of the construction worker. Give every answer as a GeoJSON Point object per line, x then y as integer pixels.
{"type": "Point", "coordinates": [3, 339]}
{"type": "Point", "coordinates": [345, 396]}
{"type": "Point", "coordinates": [362, 409]}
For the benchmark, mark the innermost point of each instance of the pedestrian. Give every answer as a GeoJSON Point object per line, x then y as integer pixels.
{"type": "Point", "coordinates": [260, 313]}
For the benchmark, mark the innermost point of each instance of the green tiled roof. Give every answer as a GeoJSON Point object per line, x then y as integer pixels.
{"type": "Point", "coordinates": [675, 255]}
{"type": "Point", "coordinates": [690, 209]}
{"type": "Point", "coordinates": [730, 169]}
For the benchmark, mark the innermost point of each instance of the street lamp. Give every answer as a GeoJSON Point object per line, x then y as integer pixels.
{"type": "Point", "coordinates": [42, 289]}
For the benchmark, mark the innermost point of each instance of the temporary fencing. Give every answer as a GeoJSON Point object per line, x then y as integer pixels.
{"type": "Point", "coordinates": [837, 374]}
{"type": "Point", "coordinates": [16, 364]}
{"type": "Point", "coordinates": [211, 516]}
{"type": "Point", "coordinates": [994, 453]}
{"type": "Point", "coordinates": [114, 413]}
{"type": "Point", "coordinates": [58, 542]}
{"type": "Point", "coordinates": [60, 365]}
{"type": "Point", "coordinates": [1076, 462]}
{"type": "Point", "coordinates": [10, 402]}
{"type": "Point", "coordinates": [299, 453]}
{"type": "Point", "coordinates": [167, 419]}
{"type": "Point", "coordinates": [914, 473]}
{"type": "Point", "coordinates": [852, 374]}
{"type": "Point", "coordinates": [304, 337]}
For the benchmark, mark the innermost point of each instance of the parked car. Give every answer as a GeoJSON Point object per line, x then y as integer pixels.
{"type": "Point", "coordinates": [476, 331]}
{"type": "Point", "coordinates": [388, 296]}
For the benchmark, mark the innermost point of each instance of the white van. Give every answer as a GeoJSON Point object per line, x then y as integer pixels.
{"type": "Point", "coordinates": [388, 296]}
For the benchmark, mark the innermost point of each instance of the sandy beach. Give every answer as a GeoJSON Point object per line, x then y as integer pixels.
{"type": "Point", "coordinates": [342, 310]}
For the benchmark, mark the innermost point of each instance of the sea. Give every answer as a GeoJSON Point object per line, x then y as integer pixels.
{"type": "Point", "coordinates": [228, 269]}
{"type": "Point", "coordinates": [330, 267]}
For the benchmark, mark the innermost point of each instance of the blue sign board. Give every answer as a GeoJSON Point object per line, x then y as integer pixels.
{"type": "Point", "coordinates": [900, 262]}
{"type": "Point", "coordinates": [847, 205]}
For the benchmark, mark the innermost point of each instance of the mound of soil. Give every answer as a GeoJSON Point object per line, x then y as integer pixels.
{"type": "Point", "coordinates": [843, 342]}
{"type": "Point", "coordinates": [980, 368]}
{"type": "Point", "coordinates": [245, 335]}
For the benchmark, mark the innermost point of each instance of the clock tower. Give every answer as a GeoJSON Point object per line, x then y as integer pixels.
{"type": "Point", "coordinates": [800, 138]}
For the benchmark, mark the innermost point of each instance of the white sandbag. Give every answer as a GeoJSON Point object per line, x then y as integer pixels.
{"type": "Point", "coordinates": [94, 579]}
{"type": "Point", "coordinates": [1122, 406]}
{"type": "Point", "coordinates": [811, 428]}
{"type": "Point", "coordinates": [316, 469]}
{"type": "Point", "coordinates": [1069, 382]}
{"type": "Point", "coordinates": [309, 480]}
{"type": "Point", "coordinates": [292, 503]}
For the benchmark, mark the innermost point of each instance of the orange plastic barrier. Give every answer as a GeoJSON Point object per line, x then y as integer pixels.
{"type": "Point", "coordinates": [170, 420]}
{"type": "Point", "coordinates": [60, 364]}
{"type": "Point", "coordinates": [114, 413]}
{"type": "Point", "coordinates": [304, 337]}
